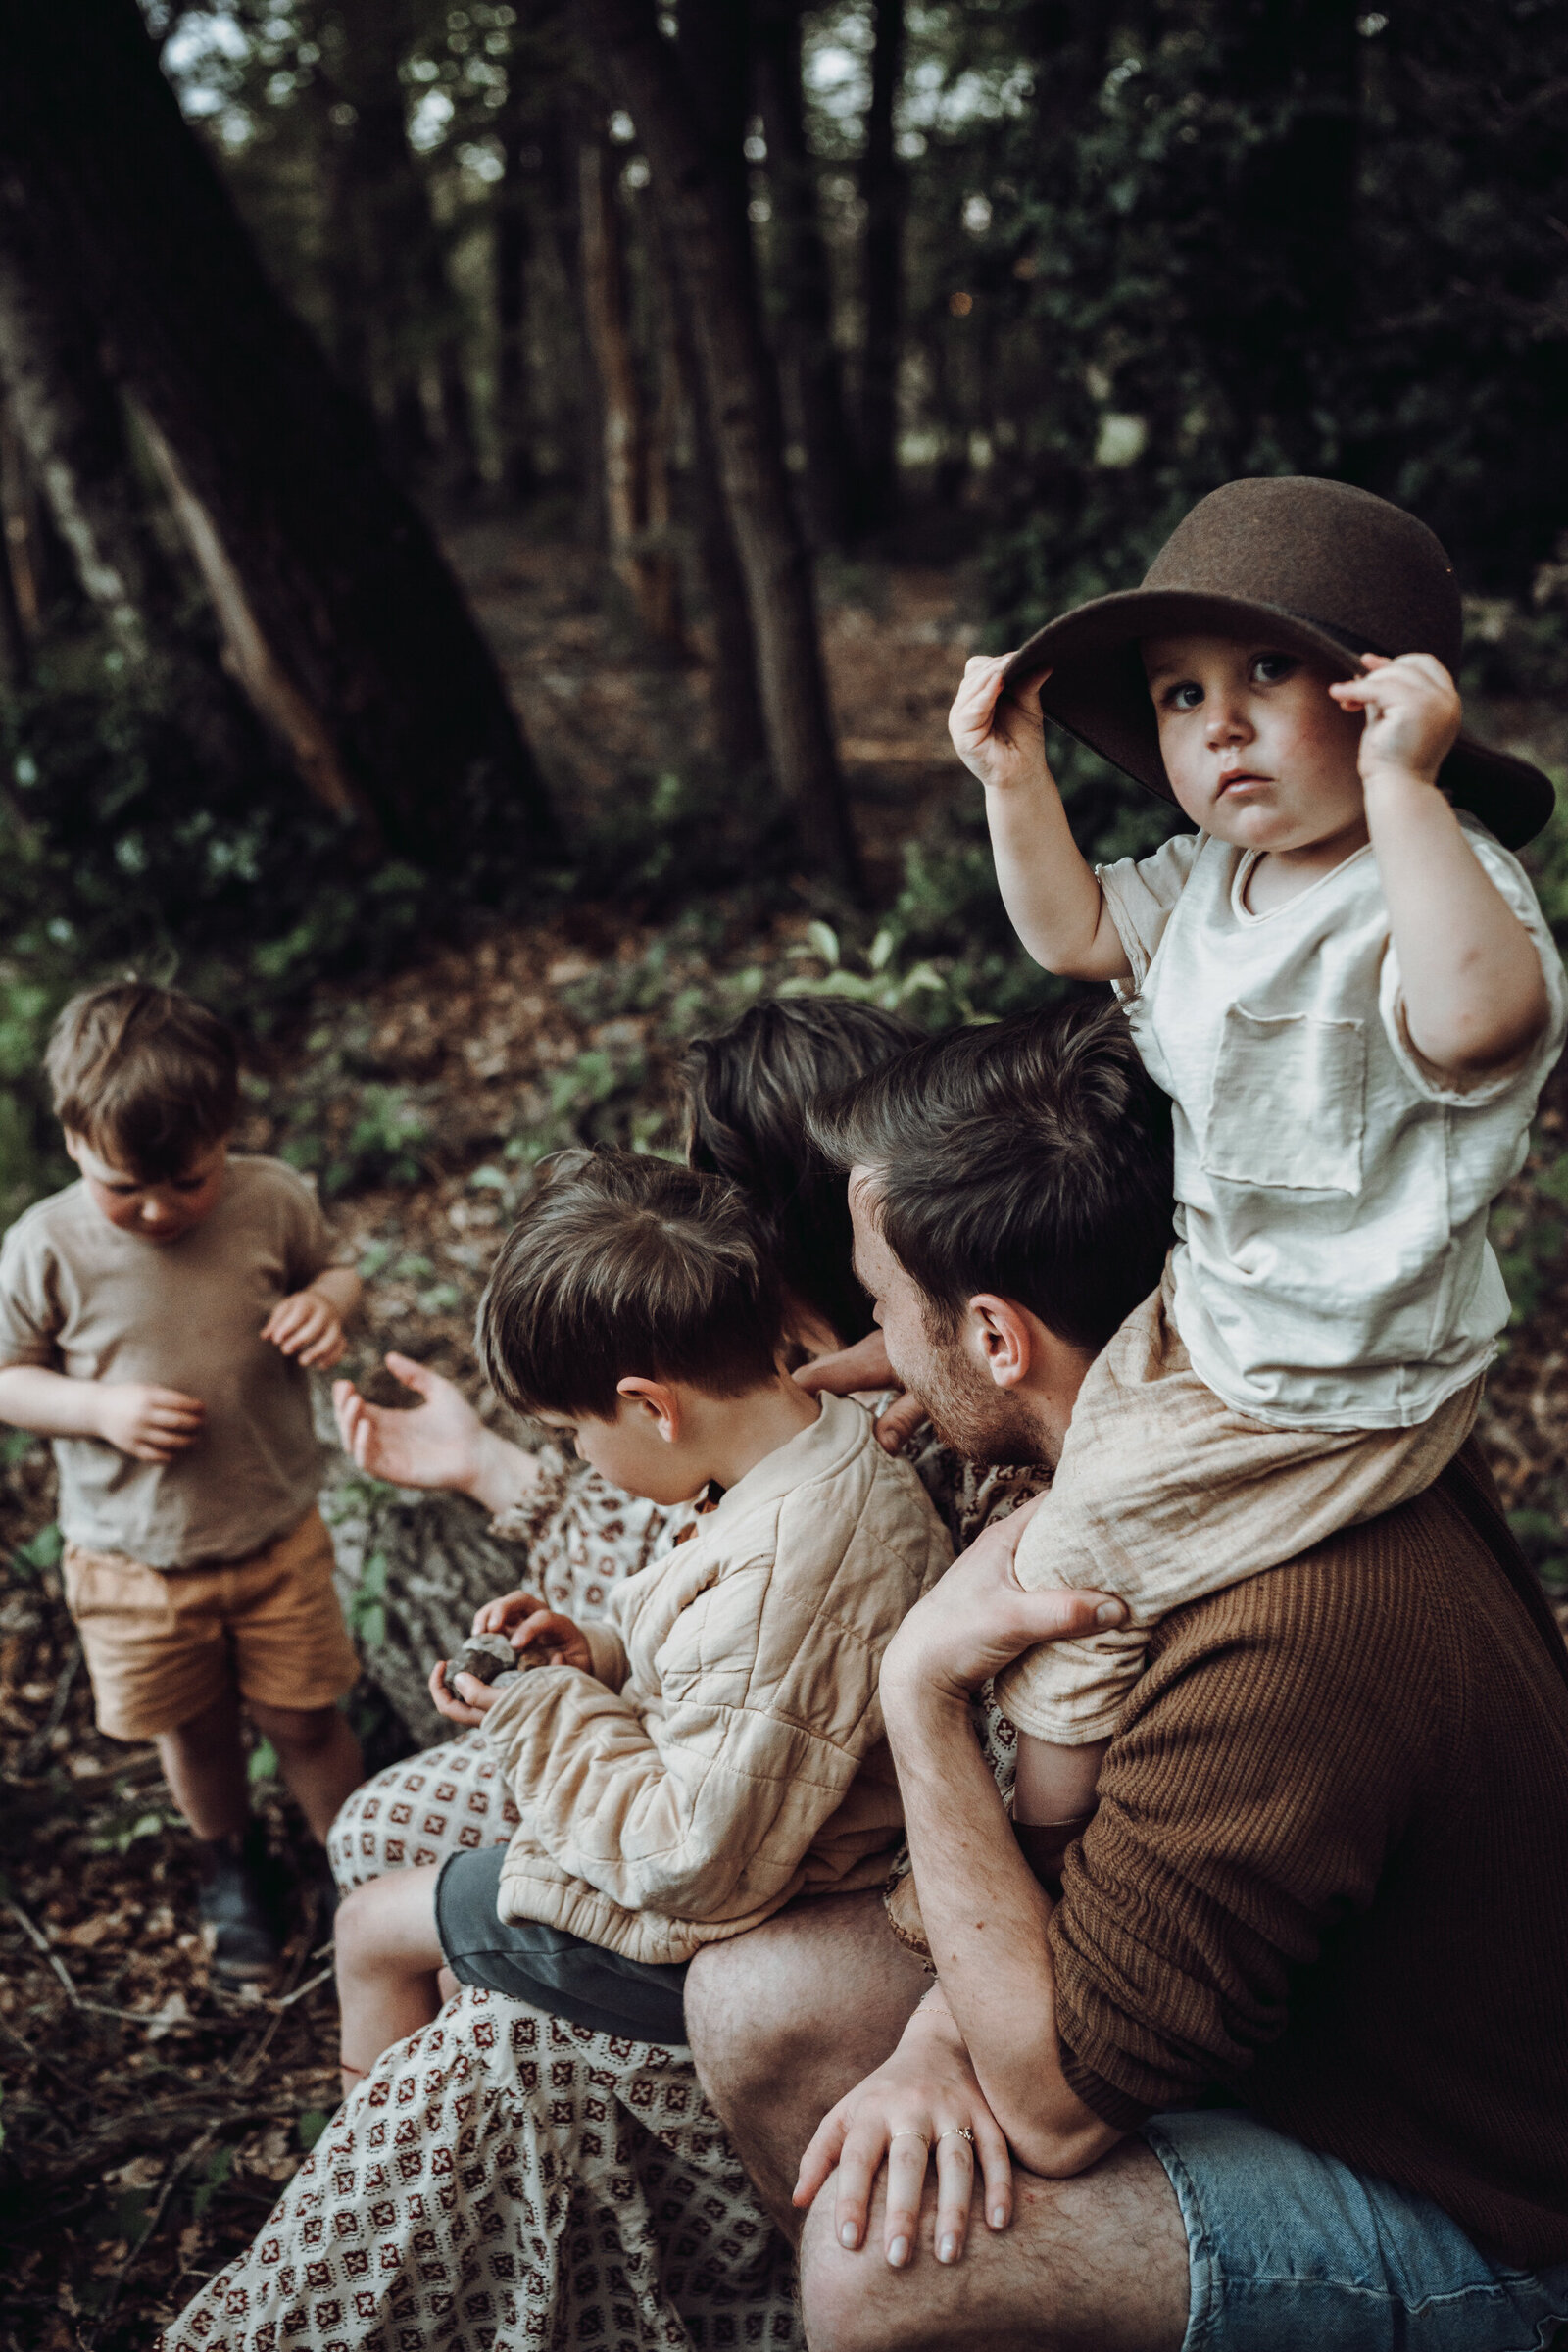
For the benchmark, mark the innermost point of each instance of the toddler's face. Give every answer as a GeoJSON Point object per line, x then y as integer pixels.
{"type": "Point", "coordinates": [156, 1213]}
{"type": "Point", "coordinates": [1257, 751]}
{"type": "Point", "coordinates": [633, 1453]}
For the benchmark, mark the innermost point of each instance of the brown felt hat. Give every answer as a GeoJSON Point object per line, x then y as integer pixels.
{"type": "Point", "coordinates": [1318, 569]}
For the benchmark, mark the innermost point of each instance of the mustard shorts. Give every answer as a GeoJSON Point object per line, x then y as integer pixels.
{"type": "Point", "coordinates": [164, 1645]}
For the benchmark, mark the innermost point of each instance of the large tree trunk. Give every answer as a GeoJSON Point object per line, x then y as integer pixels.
{"type": "Point", "coordinates": [646, 572]}
{"type": "Point", "coordinates": [814, 375]}
{"type": "Point", "coordinates": [882, 189]}
{"type": "Point", "coordinates": [711, 251]}
{"type": "Point", "coordinates": [511, 253]}
{"type": "Point", "coordinates": [339, 569]}
{"type": "Point", "coordinates": [69, 418]}
{"type": "Point", "coordinates": [16, 653]}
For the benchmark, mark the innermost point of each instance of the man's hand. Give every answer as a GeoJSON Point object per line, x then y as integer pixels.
{"type": "Point", "coordinates": [307, 1325]}
{"type": "Point", "coordinates": [560, 1639]}
{"type": "Point", "coordinates": [917, 2105]}
{"type": "Point", "coordinates": [861, 1371]}
{"type": "Point", "coordinates": [999, 733]}
{"type": "Point", "coordinates": [1412, 713]}
{"type": "Point", "coordinates": [979, 1618]}
{"type": "Point", "coordinates": [150, 1424]}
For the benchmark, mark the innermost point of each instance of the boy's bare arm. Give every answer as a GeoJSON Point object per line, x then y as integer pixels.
{"type": "Point", "coordinates": [1052, 899]}
{"type": "Point", "coordinates": [1475, 997]}
{"type": "Point", "coordinates": [149, 1423]}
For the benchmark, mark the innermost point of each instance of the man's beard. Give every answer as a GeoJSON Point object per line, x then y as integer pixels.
{"type": "Point", "coordinates": [978, 1420]}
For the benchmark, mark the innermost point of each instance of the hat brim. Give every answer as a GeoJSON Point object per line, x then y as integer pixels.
{"type": "Point", "coordinates": [1096, 690]}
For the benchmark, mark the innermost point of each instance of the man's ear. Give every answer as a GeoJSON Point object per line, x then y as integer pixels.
{"type": "Point", "coordinates": [658, 1400]}
{"type": "Point", "coordinates": [1006, 1339]}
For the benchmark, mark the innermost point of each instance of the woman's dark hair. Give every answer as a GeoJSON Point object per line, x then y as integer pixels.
{"type": "Point", "coordinates": [1032, 1157]}
{"type": "Point", "coordinates": [750, 1091]}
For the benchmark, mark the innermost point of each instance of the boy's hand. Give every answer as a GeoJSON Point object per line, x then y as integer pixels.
{"type": "Point", "coordinates": [467, 1700]}
{"type": "Point", "coordinates": [1000, 737]}
{"type": "Point", "coordinates": [1412, 713]}
{"type": "Point", "coordinates": [308, 1325]}
{"type": "Point", "coordinates": [150, 1424]}
{"type": "Point", "coordinates": [500, 1615]}
{"type": "Point", "coordinates": [563, 1641]}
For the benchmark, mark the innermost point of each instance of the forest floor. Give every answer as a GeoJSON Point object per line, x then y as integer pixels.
{"type": "Point", "coordinates": [149, 2119]}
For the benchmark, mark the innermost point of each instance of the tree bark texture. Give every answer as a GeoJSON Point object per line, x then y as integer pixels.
{"type": "Point", "coordinates": [69, 422]}
{"type": "Point", "coordinates": [814, 373]}
{"type": "Point", "coordinates": [710, 251]}
{"type": "Point", "coordinates": [883, 192]}
{"type": "Point", "coordinates": [15, 652]}
{"type": "Point", "coordinates": [340, 570]}
{"type": "Point", "coordinates": [645, 571]}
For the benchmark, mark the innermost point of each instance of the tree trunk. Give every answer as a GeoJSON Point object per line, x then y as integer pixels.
{"type": "Point", "coordinates": [69, 420]}
{"type": "Point", "coordinates": [412, 1570]}
{"type": "Point", "coordinates": [813, 372]}
{"type": "Point", "coordinates": [339, 569]}
{"type": "Point", "coordinates": [647, 574]}
{"type": "Point", "coordinates": [711, 251]}
{"type": "Point", "coordinates": [882, 189]}
{"type": "Point", "coordinates": [513, 249]}
{"type": "Point", "coordinates": [16, 653]}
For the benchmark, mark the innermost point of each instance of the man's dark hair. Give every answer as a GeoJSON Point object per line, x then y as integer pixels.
{"type": "Point", "coordinates": [624, 1265]}
{"type": "Point", "coordinates": [146, 1076]}
{"type": "Point", "coordinates": [1031, 1157]}
{"type": "Point", "coordinates": [750, 1091]}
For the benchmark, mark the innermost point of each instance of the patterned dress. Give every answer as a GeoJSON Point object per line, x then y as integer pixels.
{"type": "Point", "coordinates": [503, 2181]}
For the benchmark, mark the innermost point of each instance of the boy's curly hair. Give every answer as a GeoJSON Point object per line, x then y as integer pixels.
{"type": "Point", "coordinates": [147, 1077]}
{"type": "Point", "coordinates": [624, 1265]}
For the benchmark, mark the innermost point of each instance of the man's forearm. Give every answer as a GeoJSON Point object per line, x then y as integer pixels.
{"type": "Point", "coordinates": [31, 1396]}
{"type": "Point", "coordinates": [986, 1918]}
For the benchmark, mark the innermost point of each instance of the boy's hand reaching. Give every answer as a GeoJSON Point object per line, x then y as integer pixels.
{"type": "Point", "coordinates": [150, 1424]}
{"type": "Point", "coordinates": [1000, 736]}
{"type": "Point", "coordinates": [307, 1325]}
{"type": "Point", "coordinates": [1412, 713]}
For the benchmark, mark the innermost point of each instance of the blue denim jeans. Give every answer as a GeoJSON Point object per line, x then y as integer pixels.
{"type": "Point", "coordinates": [1293, 2252]}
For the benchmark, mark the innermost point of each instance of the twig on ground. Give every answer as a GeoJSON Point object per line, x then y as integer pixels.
{"type": "Point", "coordinates": [36, 1937]}
{"type": "Point", "coordinates": [33, 1752]}
{"type": "Point", "coordinates": [178, 2171]}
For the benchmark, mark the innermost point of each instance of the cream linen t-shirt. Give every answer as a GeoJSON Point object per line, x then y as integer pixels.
{"type": "Point", "coordinates": [1332, 1268]}
{"type": "Point", "coordinates": [79, 1297]}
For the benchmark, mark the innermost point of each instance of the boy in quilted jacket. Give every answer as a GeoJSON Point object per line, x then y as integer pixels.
{"type": "Point", "coordinates": [714, 1748]}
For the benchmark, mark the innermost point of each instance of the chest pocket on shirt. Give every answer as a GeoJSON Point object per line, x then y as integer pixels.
{"type": "Point", "coordinates": [1287, 1105]}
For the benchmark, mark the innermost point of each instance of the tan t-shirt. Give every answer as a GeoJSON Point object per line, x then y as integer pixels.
{"type": "Point", "coordinates": [79, 1297]}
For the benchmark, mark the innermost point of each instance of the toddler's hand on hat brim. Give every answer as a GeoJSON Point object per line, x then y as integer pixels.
{"type": "Point", "coordinates": [1411, 713]}
{"type": "Point", "coordinates": [995, 724]}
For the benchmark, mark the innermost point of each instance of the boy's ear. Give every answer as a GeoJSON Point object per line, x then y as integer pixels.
{"type": "Point", "coordinates": [74, 1147]}
{"type": "Point", "coordinates": [657, 1399]}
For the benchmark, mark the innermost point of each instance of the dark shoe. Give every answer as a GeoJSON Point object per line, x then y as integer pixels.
{"type": "Point", "coordinates": [239, 1924]}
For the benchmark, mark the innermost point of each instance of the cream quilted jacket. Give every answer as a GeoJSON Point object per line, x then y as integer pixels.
{"type": "Point", "coordinates": [727, 1753]}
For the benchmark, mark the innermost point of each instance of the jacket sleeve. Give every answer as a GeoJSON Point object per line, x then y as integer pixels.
{"type": "Point", "coordinates": [703, 1802]}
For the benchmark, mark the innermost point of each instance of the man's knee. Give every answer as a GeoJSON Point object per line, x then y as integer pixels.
{"type": "Point", "coordinates": [854, 2302]}
{"type": "Point", "coordinates": [742, 2016]}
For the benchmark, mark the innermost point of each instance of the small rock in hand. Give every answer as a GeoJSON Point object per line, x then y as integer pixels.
{"type": "Point", "coordinates": [486, 1656]}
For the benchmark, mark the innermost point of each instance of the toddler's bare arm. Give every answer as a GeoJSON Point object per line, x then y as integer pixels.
{"type": "Point", "coordinates": [1055, 902]}
{"type": "Point", "coordinates": [149, 1423]}
{"type": "Point", "coordinates": [1475, 997]}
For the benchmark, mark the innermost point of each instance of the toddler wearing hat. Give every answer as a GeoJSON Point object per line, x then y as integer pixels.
{"type": "Point", "coordinates": [1346, 985]}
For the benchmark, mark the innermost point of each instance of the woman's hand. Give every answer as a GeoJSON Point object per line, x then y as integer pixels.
{"type": "Point", "coordinates": [920, 2102]}
{"type": "Point", "coordinates": [861, 1370]}
{"type": "Point", "coordinates": [434, 1444]}
{"type": "Point", "coordinates": [979, 1618]}
{"type": "Point", "coordinates": [997, 730]}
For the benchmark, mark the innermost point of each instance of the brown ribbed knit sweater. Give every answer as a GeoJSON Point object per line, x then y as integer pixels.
{"type": "Point", "coordinates": [1329, 1871]}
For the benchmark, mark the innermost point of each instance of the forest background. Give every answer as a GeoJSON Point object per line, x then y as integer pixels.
{"type": "Point", "coordinates": [495, 501]}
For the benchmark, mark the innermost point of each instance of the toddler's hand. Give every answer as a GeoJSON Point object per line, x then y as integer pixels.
{"type": "Point", "coordinates": [1412, 713]}
{"type": "Point", "coordinates": [499, 1616]}
{"type": "Point", "coordinates": [150, 1424]}
{"type": "Point", "coordinates": [308, 1325]}
{"type": "Point", "coordinates": [1000, 738]}
{"type": "Point", "coordinates": [467, 1703]}
{"type": "Point", "coordinates": [562, 1638]}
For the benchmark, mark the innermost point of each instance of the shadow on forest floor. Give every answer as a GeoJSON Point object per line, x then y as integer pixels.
{"type": "Point", "coordinates": [150, 2121]}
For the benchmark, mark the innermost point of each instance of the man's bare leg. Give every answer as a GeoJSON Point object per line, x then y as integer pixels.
{"type": "Point", "coordinates": [784, 2021]}
{"type": "Point", "coordinates": [1096, 2264]}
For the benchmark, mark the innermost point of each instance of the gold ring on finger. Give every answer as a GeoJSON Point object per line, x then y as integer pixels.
{"type": "Point", "coordinates": [908, 2134]}
{"type": "Point", "coordinates": [955, 2132]}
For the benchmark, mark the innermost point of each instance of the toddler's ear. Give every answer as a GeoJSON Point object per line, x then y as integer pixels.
{"type": "Point", "coordinates": [656, 1399]}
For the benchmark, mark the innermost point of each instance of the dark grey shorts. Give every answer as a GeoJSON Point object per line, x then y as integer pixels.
{"type": "Point", "coordinates": [545, 1966]}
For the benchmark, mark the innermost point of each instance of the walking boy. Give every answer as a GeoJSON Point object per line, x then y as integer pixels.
{"type": "Point", "coordinates": [157, 1321]}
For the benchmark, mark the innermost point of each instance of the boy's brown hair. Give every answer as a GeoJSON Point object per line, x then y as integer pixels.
{"type": "Point", "coordinates": [147, 1077]}
{"type": "Point", "coordinates": [622, 1266]}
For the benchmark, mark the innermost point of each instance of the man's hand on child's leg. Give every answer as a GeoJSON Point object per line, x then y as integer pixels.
{"type": "Point", "coordinates": [150, 1424]}
{"type": "Point", "coordinates": [308, 1326]}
